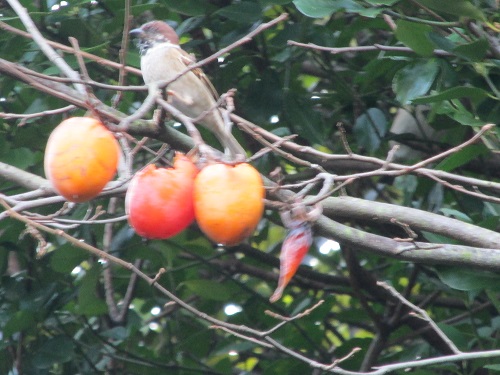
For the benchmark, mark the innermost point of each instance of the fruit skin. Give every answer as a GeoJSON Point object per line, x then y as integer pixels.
{"type": "Point", "coordinates": [81, 157]}
{"type": "Point", "coordinates": [228, 202]}
{"type": "Point", "coordinates": [294, 248]}
{"type": "Point", "coordinates": [159, 201]}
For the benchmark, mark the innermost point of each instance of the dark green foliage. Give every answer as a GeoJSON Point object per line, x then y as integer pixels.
{"type": "Point", "coordinates": [55, 311]}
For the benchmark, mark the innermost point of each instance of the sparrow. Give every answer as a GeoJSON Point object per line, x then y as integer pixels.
{"type": "Point", "coordinates": [192, 93]}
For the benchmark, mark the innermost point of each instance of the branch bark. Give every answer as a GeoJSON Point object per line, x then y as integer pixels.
{"type": "Point", "coordinates": [377, 212]}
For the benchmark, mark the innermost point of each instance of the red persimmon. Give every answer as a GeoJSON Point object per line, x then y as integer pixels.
{"type": "Point", "coordinates": [159, 201]}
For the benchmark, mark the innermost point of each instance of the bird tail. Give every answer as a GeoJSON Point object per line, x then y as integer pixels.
{"type": "Point", "coordinates": [231, 145]}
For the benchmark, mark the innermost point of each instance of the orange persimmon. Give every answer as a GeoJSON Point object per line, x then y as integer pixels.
{"type": "Point", "coordinates": [81, 157]}
{"type": "Point", "coordinates": [228, 201]}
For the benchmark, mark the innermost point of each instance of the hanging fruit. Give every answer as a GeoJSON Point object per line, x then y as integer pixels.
{"type": "Point", "coordinates": [294, 248]}
{"type": "Point", "coordinates": [299, 239]}
{"type": "Point", "coordinates": [228, 202]}
{"type": "Point", "coordinates": [81, 157]}
{"type": "Point", "coordinates": [159, 201]}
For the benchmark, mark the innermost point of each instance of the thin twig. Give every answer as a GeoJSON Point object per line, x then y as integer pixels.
{"type": "Point", "coordinates": [122, 72]}
{"type": "Point", "coordinates": [79, 59]}
{"type": "Point", "coordinates": [247, 38]}
{"type": "Point", "coordinates": [285, 319]}
{"type": "Point", "coordinates": [109, 290]}
{"type": "Point", "coordinates": [393, 169]}
{"type": "Point", "coordinates": [375, 47]}
{"type": "Point", "coordinates": [452, 150]}
{"type": "Point", "coordinates": [100, 60]}
{"type": "Point", "coordinates": [343, 138]}
{"type": "Point", "coordinates": [422, 313]}
{"type": "Point", "coordinates": [127, 265]}
{"type": "Point", "coordinates": [461, 189]}
{"type": "Point", "coordinates": [52, 55]}
{"type": "Point", "coordinates": [147, 104]}
{"type": "Point", "coordinates": [27, 116]}
{"type": "Point", "coordinates": [244, 337]}
{"type": "Point", "coordinates": [256, 132]}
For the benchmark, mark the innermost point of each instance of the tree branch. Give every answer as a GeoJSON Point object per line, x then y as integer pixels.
{"type": "Point", "coordinates": [52, 55]}
{"type": "Point", "coordinates": [377, 212]}
{"type": "Point", "coordinates": [419, 252]}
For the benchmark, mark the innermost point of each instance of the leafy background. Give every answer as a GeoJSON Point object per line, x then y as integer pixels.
{"type": "Point", "coordinates": [430, 86]}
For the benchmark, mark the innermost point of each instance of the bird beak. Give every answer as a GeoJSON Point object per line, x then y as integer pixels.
{"type": "Point", "coordinates": [136, 33]}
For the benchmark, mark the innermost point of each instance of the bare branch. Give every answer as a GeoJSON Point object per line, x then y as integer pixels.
{"type": "Point", "coordinates": [419, 252]}
{"type": "Point", "coordinates": [247, 38]}
{"type": "Point", "coordinates": [27, 116]}
{"type": "Point", "coordinates": [375, 47]}
{"type": "Point", "coordinates": [385, 168]}
{"type": "Point", "coordinates": [422, 313]}
{"type": "Point", "coordinates": [360, 209]}
{"type": "Point", "coordinates": [100, 60]}
{"type": "Point", "coordinates": [52, 55]}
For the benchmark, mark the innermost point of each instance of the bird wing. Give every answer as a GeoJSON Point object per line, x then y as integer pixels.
{"type": "Point", "coordinates": [188, 59]}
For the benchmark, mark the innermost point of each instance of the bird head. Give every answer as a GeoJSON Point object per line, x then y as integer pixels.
{"type": "Point", "coordinates": [152, 33]}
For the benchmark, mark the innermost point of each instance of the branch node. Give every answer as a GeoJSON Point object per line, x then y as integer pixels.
{"type": "Point", "coordinates": [161, 271]}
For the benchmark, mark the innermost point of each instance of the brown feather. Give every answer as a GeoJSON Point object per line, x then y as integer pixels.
{"type": "Point", "coordinates": [188, 59]}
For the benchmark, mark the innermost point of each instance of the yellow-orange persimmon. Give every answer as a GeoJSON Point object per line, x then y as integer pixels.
{"type": "Point", "coordinates": [159, 201]}
{"type": "Point", "coordinates": [228, 201]}
{"type": "Point", "coordinates": [81, 157]}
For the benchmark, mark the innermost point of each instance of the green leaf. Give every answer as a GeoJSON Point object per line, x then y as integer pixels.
{"type": "Point", "coordinates": [66, 258]}
{"type": "Point", "coordinates": [210, 289]}
{"type": "Point", "coordinates": [449, 212]}
{"type": "Point", "coordinates": [190, 7]}
{"type": "Point", "coordinates": [435, 198]}
{"type": "Point", "coordinates": [436, 238]}
{"type": "Point", "coordinates": [4, 258]}
{"type": "Point", "coordinates": [474, 51]}
{"type": "Point", "coordinates": [264, 97]}
{"type": "Point", "coordinates": [459, 338]}
{"type": "Point", "coordinates": [244, 12]}
{"type": "Point", "coordinates": [303, 118]}
{"type": "Point", "coordinates": [408, 185]}
{"type": "Point", "coordinates": [198, 341]}
{"type": "Point", "coordinates": [20, 321]}
{"type": "Point", "coordinates": [442, 42]}
{"type": "Point", "coordinates": [265, 3]}
{"type": "Point", "coordinates": [494, 367]}
{"type": "Point", "coordinates": [370, 12]}
{"type": "Point", "coordinates": [416, 36]}
{"type": "Point", "coordinates": [138, 9]}
{"type": "Point", "coordinates": [55, 350]}
{"type": "Point", "coordinates": [475, 94]}
{"type": "Point", "coordinates": [463, 8]}
{"type": "Point", "coordinates": [370, 128]}
{"type": "Point", "coordinates": [462, 157]}
{"type": "Point", "coordinates": [414, 80]}
{"type": "Point", "coordinates": [116, 333]}
{"type": "Point", "coordinates": [122, 239]}
{"type": "Point", "coordinates": [88, 302]}
{"type": "Point", "coordinates": [285, 366]}
{"type": "Point", "coordinates": [39, 298]}
{"type": "Point", "coordinates": [21, 158]}
{"type": "Point", "coordinates": [467, 279]}
{"type": "Point", "coordinates": [382, 2]}
{"type": "Point", "coordinates": [325, 8]}
{"type": "Point", "coordinates": [4, 146]}
{"type": "Point", "coordinates": [455, 110]}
